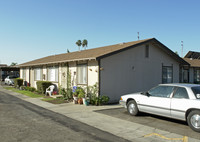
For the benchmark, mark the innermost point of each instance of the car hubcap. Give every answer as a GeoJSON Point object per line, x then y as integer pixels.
{"type": "Point", "coordinates": [195, 121]}
{"type": "Point", "coordinates": [131, 108]}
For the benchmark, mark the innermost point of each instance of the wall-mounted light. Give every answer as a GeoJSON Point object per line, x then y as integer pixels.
{"type": "Point", "coordinates": [101, 68]}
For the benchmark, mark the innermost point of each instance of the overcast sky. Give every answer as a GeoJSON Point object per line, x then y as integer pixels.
{"type": "Point", "coordinates": [31, 29]}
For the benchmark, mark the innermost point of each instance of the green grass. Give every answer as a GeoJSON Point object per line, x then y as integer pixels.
{"type": "Point", "coordinates": [27, 93]}
{"type": "Point", "coordinates": [55, 100]}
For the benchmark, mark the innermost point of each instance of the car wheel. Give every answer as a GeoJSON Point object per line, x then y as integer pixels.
{"type": "Point", "coordinates": [132, 108]}
{"type": "Point", "coordinates": [193, 120]}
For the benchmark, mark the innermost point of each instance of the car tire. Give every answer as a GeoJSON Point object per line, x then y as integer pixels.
{"type": "Point", "coordinates": [193, 120]}
{"type": "Point", "coordinates": [132, 108]}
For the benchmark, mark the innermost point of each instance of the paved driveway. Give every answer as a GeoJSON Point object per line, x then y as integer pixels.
{"type": "Point", "coordinates": [162, 123]}
{"type": "Point", "coordinates": [26, 122]}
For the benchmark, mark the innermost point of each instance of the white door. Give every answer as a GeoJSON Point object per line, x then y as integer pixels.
{"type": "Point", "coordinates": [178, 103]}
{"type": "Point", "coordinates": [158, 101]}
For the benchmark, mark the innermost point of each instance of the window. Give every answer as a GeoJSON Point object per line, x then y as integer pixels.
{"type": "Point", "coordinates": [185, 76]}
{"type": "Point", "coordinates": [197, 76]}
{"type": "Point", "coordinates": [24, 74]}
{"type": "Point", "coordinates": [147, 51]}
{"type": "Point", "coordinates": [161, 91]}
{"type": "Point", "coordinates": [181, 93]}
{"type": "Point", "coordinates": [167, 74]}
{"type": "Point", "coordinates": [82, 74]}
{"type": "Point", "coordinates": [38, 74]}
{"type": "Point", "coordinates": [196, 91]}
{"type": "Point", "coordinates": [52, 73]}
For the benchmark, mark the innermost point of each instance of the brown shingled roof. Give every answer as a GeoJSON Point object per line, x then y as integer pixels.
{"type": "Point", "coordinates": [97, 53]}
{"type": "Point", "coordinates": [82, 55]}
{"type": "Point", "coordinates": [193, 62]}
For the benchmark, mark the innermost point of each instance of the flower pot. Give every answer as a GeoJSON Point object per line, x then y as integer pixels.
{"type": "Point", "coordinates": [80, 101]}
{"type": "Point", "coordinates": [84, 101]}
{"type": "Point", "coordinates": [87, 103]}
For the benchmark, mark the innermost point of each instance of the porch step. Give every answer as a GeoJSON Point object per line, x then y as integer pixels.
{"type": "Point", "coordinates": [56, 96]}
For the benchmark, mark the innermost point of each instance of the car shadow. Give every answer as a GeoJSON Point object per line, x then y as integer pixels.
{"type": "Point", "coordinates": [157, 122]}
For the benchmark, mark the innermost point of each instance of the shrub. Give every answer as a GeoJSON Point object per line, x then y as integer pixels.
{"type": "Point", "coordinates": [42, 86]}
{"type": "Point", "coordinates": [31, 89]}
{"type": "Point", "coordinates": [18, 82]}
{"type": "Point", "coordinates": [22, 87]}
{"type": "Point", "coordinates": [80, 91]}
{"type": "Point", "coordinates": [92, 93]}
{"type": "Point", "coordinates": [105, 99]}
{"type": "Point", "coordinates": [69, 94]}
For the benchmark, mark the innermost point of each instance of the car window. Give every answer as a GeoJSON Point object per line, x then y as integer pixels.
{"type": "Point", "coordinates": [161, 91]}
{"type": "Point", "coordinates": [196, 91]}
{"type": "Point", "coordinates": [181, 93]}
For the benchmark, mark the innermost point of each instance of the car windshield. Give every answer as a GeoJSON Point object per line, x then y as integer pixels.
{"type": "Point", "coordinates": [196, 91]}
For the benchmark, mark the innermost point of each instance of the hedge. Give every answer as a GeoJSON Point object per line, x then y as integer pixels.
{"type": "Point", "coordinates": [31, 89]}
{"type": "Point", "coordinates": [18, 82]}
{"type": "Point", "coordinates": [42, 85]}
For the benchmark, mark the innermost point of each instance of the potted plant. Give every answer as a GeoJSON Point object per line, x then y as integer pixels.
{"type": "Point", "coordinates": [80, 97]}
{"type": "Point", "coordinates": [81, 94]}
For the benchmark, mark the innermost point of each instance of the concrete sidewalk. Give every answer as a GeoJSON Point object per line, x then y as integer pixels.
{"type": "Point", "coordinates": [125, 129]}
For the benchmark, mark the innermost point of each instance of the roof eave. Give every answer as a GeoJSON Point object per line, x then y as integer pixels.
{"type": "Point", "coordinates": [57, 62]}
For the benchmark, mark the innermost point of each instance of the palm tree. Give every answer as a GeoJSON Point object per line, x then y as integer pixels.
{"type": "Point", "coordinates": [79, 43]}
{"type": "Point", "coordinates": [85, 43]}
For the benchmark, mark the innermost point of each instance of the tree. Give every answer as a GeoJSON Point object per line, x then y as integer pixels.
{"type": "Point", "coordinates": [68, 51]}
{"type": "Point", "coordinates": [176, 53]}
{"type": "Point", "coordinates": [79, 43]}
{"type": "Point", "coordinates": [85, 43]}
{"type": "Point", "coordinates": [13, 64]}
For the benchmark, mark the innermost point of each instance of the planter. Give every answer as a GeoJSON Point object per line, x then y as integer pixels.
{"type": "Point", "coordinates": [75, 101]}
{"type": "Point", "coordinates": [84, 101]}
{"type": "Point", "coordinates": [80, 101]}
{"type": "Point", "coordinates": [87, 103]}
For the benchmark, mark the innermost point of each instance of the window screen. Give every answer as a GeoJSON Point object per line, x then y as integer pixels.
{"type": "Point", "coordinates": [82, 74]}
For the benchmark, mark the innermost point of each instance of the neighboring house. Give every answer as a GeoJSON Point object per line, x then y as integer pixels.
{"type": "Point", "coordinates": [8, 71]}
{"type": "Point", "coordinates": [118, 69]}
{"type": "Point", "coordinates": [192, 74]}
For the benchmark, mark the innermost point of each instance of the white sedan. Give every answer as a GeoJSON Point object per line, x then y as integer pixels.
{"type": "Point", "coordinates": [178, 101]}
{"type": "Point", "coordinates": [9, 80]}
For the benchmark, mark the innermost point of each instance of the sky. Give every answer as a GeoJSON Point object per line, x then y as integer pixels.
{"type": "Point", "coordinates": [32, 29]}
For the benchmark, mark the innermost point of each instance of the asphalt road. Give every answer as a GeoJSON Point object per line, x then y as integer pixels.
{"type": "Point", "coordinates": [162, 123]}
{"type": "Point", "coordinates": [26, 122]}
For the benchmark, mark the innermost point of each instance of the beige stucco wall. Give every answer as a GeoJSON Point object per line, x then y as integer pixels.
{"type": "Point", "coordinates": [130, 71]}
{"type": "Point", "coordinates": [93, 75]}
{"type": "Point", "coordinates": [62, 71]}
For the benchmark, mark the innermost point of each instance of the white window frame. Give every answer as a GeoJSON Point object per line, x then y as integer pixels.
{"type": "Point", "coordinates": [52, 73]}
{"type": "Point", "coordinates": [82, 74]}
{"type": "Point", "coordinates": [37, 74]}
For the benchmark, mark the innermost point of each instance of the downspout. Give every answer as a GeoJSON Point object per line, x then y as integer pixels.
{"type": "Point", "coordinates": [99, 79]}
{"type": "Point", "coordinates": [29, 77]}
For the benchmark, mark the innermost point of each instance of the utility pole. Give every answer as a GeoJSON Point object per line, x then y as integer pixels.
{"type": "Point", "coordinates": [138, 35]}
{"type": "Point", "coordinates": [182, 49]}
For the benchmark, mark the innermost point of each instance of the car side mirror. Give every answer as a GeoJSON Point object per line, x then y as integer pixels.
{"type": "Point", "coordinates": [146, 94]}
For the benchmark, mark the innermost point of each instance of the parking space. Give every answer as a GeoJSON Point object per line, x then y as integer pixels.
{"type": "Point", "coordinates": [162, 123]}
